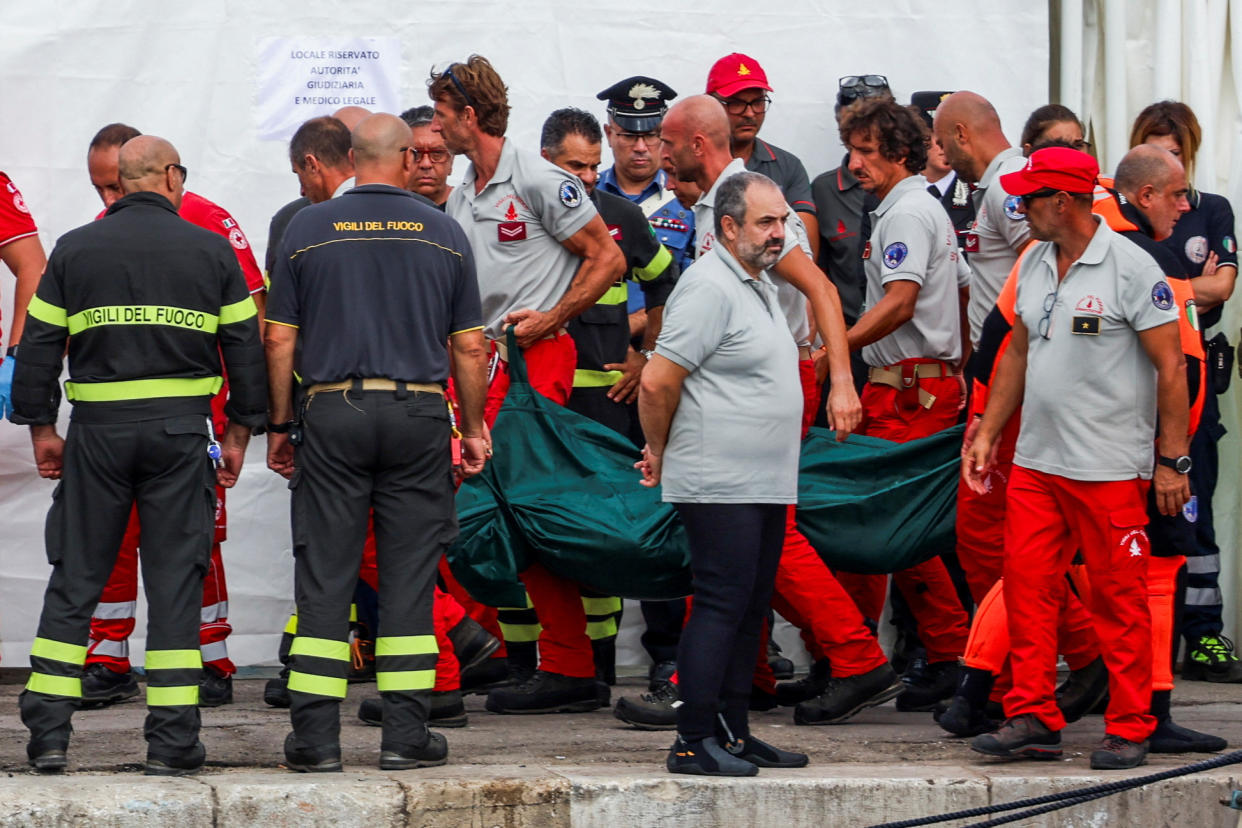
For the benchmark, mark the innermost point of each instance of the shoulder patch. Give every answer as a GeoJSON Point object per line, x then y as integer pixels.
{"type": "Point", "coordinates": [1196, 249]}
{"type": "Point", "coordinates": [1162, 295]}
{"type": "Point", "coordinates": [894, 255]}
{"type": "Point", "coordinates": [1229, 244]}
{"type": "Point", "coordinates": [1011, 208]}
{"type": "Point", "coordinates": [238, 239]}
{"type": "Point", "coordinates": [570, 193]}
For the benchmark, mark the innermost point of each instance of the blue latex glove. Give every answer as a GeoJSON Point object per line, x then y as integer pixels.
{"type": "Point", "coordinates": [6, 386]}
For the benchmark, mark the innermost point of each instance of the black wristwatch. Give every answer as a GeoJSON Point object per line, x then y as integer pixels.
{"type": "Point", "coordinates": [11, 351]}
{"type": "Point", "coordinates": [279, 428]}
{"type": "Point", "coordinates": [1181, 465]}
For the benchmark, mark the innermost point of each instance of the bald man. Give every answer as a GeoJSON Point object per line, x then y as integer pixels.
{"type": "Point", "coordinates": [374, 433]}
{"type": "Point", "coordinates": [152, 303]}
{"type": "Point", "coordinates": [969, 131]}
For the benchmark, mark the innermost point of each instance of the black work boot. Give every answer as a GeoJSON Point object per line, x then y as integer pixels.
{"type": "Point", "coordinates": [1116, 753]}
{"type": "Point", "coordinates": [276, 691]}
{"type": "Point", "coordinates": [485, 676]}
{"type": "Point", "coordinates": [395, 756]}
{"type": "Point", "coordinates": [47, 757]}
{"type": "Point", "coordinates": [447, 710]}
{"type": "Point", "coordinates": [660, 673]}
{"type": "Point", "coordinates": [966, 713]}
{"type": "Point", "coordinates": [935, 682]}
{"type": "Point", "coordinates": [311, 759]}
{"type": "Point", "coordinates": [215, 690]}
{"type": "Point", "coordinates": [705, 757]}
{"type": "Point", "coordinates": [790, 693]}
{"type": "Point", "coordinates": [472, 644]}
{"type": "Point", "coordinates": [546, 692]}
{"type": "Point", "coordinates": [656, 710]}
{"type": "Point", "coordinates": [178, 765]}
{"type": "Point", "coordinates": [102, 686]}
{"type": "Point", "coordinates": [1082, 690]}
{"type": "Point", "coordinates": [849, 695]}
{"type": "Point", "coordinates": [782, 667]}
{"type": "Point", "coordinates": [1018, 737]}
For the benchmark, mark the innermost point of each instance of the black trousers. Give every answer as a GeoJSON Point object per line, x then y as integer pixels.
{"type": "Point", "coordinates": [734, 552]}
{"type": "Point", "coordinates": [361, 451]}
{"type": "Point", "coordinates": [163, 466]}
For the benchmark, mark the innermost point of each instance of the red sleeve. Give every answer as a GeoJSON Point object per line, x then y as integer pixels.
{"type": "Point", "coordinates": [15, 220]}
{"type": "Point", "coordinates": [210, 216]}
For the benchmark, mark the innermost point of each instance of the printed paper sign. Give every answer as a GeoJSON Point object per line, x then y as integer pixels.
{"type": "Point", "coordinates": [303, 77]}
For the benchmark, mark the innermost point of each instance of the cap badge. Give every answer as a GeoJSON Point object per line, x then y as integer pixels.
{"type": "Point", "coordinates": [742, 70]}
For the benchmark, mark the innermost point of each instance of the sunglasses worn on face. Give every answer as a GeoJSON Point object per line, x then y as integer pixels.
{"type": "Point", "coordinates": [184, 172]}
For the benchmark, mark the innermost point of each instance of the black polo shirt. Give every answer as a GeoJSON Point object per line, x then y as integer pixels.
{"type": "Point", "coordinates": [376, 281]}
{"type": "Point", "coordinates": [841, 203]}
{"type": "Point", "coordinates": [1207, 228]}
{"type": "Point", "coordinates": [786, 169]}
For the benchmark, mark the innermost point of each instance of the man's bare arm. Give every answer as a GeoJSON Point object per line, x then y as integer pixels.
{"type": "Point", "coordinates": [1004, 397]}
{"type": "Point", "coordinates": [658, 397]}
{"type": "Point", "coordinates": [894, 309]}
{"type": "Point", "coordinates": [26, 259]}
{"type": "Point", "coordinates": [1164, 348]}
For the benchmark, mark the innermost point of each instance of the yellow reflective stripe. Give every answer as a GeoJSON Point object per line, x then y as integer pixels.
{"type": "Point", "coordinates": [174, 660]}
{"type": "Point", "coordinates": [335, 688]}
{"type": "Point", "coordinates": [277, 322]}
{"type": "Point", "coordinates": [320, 648]}
{"type": "Point", "coordinates": [399, 645]}
{"type": "Point", "coordinates": [182, 695]}
{"type": "Point", "coordinates": [601, 629]}
{"type": "Point", "coordinates": [187, 318]}
{"type": "Point", "coordinates": [142, 389]}
{"type": "Point", "coordinates": [353, 613]}
{"type": "Point", "coordinates": [615, 295]}
{"type": "Point", "coordinates": [595, 379]}
{"type": "Point", "coordinates": [405, 680]}
{"type": "Point", "coordinates": [58, 651]}
{"type": "Point", "coordinates": [291, 627]}
{"type": "Point", "coordinates": [601, 606]}
{"type": "Point", "coordinates": [46, 312]}
{"type": "Point", "coordinates": [658, 264]}
{"type": "Point", "coordinates": [54, 685]}
{"type": "Point", "coordinates": [519, 633]}
{"type": "Point", "coordinates": [238, 311]}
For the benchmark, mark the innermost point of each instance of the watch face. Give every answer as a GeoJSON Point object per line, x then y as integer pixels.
{"type": "Point", "coordinates": [1183, 465]}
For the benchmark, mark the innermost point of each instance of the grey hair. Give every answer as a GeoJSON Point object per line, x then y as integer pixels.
{"type": "Point", "coordinates": [731, 197]}
{"type": "Point", "coordinates": [417, 116]}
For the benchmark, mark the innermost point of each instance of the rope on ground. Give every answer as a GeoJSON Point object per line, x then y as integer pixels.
{"type": "Point", "coordinates": [1065, 799]}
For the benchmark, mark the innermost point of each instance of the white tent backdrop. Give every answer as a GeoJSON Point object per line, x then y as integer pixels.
{"type": "Point", "coordinates": [1117, 56]}
{"type": "Point", "coordinates": [188, 72]}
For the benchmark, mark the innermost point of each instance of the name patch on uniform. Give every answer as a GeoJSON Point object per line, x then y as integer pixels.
{"type": "Point", "coordinates": [570, 194]}
{"type": "Point", "coordinates": [894, 255]}
{"type": "Point", "coordinates": [508, 231]}
{"type": "Point", "coordinates": [1089, 325]}
{"type": "Point", "coordinates": [614, 230]}
{"type": "Point", "coordinates": [1196, 249]}
{"type": "Point", "coordinates": [1162, 295]}
{"type": "Point", "coordinates": [1011, 208]}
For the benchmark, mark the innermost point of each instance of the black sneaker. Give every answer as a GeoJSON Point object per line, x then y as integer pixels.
{"type": "Point", "coordinates": [485, 676]}
{"type": "Point", "coordinates": [276, 691]}
{"type": "Point", "coordinates": [660, 673]}
{"type": "Point", "coordinates": [102, 686]}
{"type": "Point", "coordinates": [47, 758]}
{"type": "Point", "coordinates": [962, 719]}
{"type": "Point", "coordinates": [846, 696]}
{"type": "Point", "coordinates": [1116, 753]}
{"type": "Point", "coordinates": [408, 757]}
{"type": "Point", "coordinates": [1022, 736]}
{"type": "Point", "coordinates": [215, 689]}
{"type": "Point", "coordinates": [706, 757]}
{"type": "Point", "coordinates": [546, 692]}
{"type": "Point", "coordinates": [934, 682]}
{"type": "Point", "coordinates": [307, 759]}
{"type": "Point", "coordinates": [447, 710]}
{"type": "Point", "coordinates": [656, 710]}
{"type": "Point", "coordinates": [782, 668]}
{"type": "Point", "coordinates": [180, 765]}
{"type": "Point", "coordinates": [763, 755]}
{"type": "Point", "coordinates": [1212, 658]}
{"type": "Point", "coordinates": [790, 693]}
{"type": "Point", "coordinates": [1170, 737]}
{"type": "Point", "coordinates": [1082, 690]}
{"type": "Point", "coordinates": [472, 644]}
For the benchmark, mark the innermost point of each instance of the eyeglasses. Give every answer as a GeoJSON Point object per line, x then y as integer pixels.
{"type": "Point", "coordinates": [448, 73]}
{"type": "Point", "coordinates": [632, 138]}
{"type": "Point", "coordinates": [184, 172]}
{"type": "Point", "coordinates": [1044, 193]}
{"type": "Point", "coordinates": [1045, 324]}
{"type": "Point", "coordinates": [1082, 145]}
{"type": "Point", "coordinates": [437, 156]}
{"type": "Point", "coordinates": [738, 107]}
{"type": "Point", "coordinates": [874, 81]}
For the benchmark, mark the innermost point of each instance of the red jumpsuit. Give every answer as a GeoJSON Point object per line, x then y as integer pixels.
{"type": "Point", "coordinates": [113, 619]}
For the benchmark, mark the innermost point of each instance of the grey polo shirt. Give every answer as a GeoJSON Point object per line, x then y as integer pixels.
{"type": "Point", "coordinates": [912, 238]}
{"type": "Point", "coordinates": [515, 227]}
{"type": "Point", "coordinates": [997, 237]}
{"type": "Point", "coordinates": [735, 435]}
{"type": "Point", "coordinates": [792, 302]}
{"type": "Point", "coordinates": [1089, 412]}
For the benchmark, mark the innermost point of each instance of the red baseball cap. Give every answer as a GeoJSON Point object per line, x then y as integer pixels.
{"type": "Point", "coordinates": [1053, 168]}
{"type": "Point", "coordinates": [733, 73]}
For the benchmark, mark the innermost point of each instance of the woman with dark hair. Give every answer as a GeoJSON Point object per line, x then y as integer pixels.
{"type": "Point", "coordinates": [1204, 243]}
{"type": "Point", "coordinates": [1053, 123]}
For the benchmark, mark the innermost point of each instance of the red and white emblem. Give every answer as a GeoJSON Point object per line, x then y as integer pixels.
{"type": "Point", "coordinates": [867, 250]}
{"type": "Point", "coordinates": [238, 239]}
{"type": "Point", "coordinates": [614, 230]}
{"type": "Point", "coordinates": [1090, 304]}
{"type": "Point", "coordinates": [510, 231]}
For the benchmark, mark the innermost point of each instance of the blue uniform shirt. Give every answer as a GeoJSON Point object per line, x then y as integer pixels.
{"type": "Point", "coordinates": [673, 224]}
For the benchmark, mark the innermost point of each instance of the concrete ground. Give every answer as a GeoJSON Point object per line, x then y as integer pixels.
{"type": "Point", "coordinates": [588, 769]}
